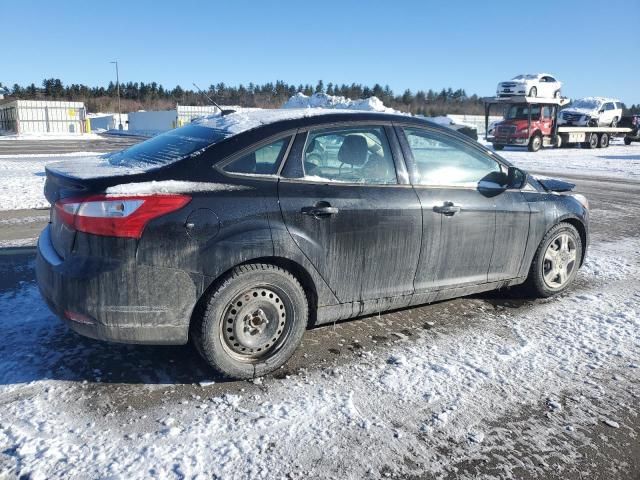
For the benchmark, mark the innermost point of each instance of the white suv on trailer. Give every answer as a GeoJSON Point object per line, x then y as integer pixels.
{"type": "Point", "coordinates": [592, 112]}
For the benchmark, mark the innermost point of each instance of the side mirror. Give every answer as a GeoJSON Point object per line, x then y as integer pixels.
{"type": "Point", "coordinates": [516, 178]}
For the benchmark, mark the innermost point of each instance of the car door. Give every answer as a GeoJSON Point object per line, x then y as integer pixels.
{"type": "Point", "coordinates": [349, 212]}
{"type": "Point", "coordinates": [460, 245]}
{"type": "Point", "coordinates": [546, 119]}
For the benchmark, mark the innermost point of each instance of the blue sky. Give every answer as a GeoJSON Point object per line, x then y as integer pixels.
{"type": "Point", "coordinates": [592, 46]}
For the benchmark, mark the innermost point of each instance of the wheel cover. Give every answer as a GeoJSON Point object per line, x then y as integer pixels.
{"type": "Point", "coordinates": [559, 261]}
{"type": "Point", "coordinates": [255, 324]}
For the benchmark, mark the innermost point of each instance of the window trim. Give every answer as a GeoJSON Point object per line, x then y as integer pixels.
{"type": "Point", "coordinates": [411, 163]}
{"type": "Point", "coordinates": [222, 164]}
{"type": "Point", "coordinates": [387, 130]}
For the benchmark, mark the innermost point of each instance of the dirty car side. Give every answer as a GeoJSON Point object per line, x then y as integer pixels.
{"type": "Point", "coordinates": [387, 247]}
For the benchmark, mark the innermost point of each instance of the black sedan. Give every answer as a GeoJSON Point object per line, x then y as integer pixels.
{"type": "Point", "coordinates": [240, 231]}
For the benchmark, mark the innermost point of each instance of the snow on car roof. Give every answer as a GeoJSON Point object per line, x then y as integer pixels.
{"type": "Point", "coordinates": [241, 121]}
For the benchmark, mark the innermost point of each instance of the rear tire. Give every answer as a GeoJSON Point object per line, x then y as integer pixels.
{"type": "Point", "coordinates": [253, 321]}
{"type": "Point", "coordinates": [592, 142]}
{"type": "Point", "coordinates": [556, 262]}
{"type": "Point", "coordinates": [627, 141]}
{"type": "Point", "coordinates": [533, 92]}
{"type": "Point", "coordinates": [498, 147]}
{"type": "Point", "coordinates": [614, 122]}
{"type": "Point", "coordinates": [535, 143]}
{"type": "Point", "coordinates": [604, 141]}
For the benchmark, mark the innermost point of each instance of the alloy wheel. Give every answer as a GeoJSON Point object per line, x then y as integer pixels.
{"type": "Point", "coordinates": [560, 260]}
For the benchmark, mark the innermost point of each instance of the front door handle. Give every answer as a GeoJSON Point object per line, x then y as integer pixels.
{"type": "Point", "coordinates": [321, 209]}
{"type": "Point", "coordinates": [447, 208]}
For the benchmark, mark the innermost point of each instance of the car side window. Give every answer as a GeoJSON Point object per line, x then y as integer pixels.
{"type": "Point", "coordinates": [261, 161]}
{"type": "Point", "coordinates": [351, 155]}
{"type": "Point", "coordinates": [608, 106]}
{"type": "Point", "coordinates": [443, 160]}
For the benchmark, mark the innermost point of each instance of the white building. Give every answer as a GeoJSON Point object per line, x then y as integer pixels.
{"type": "Point", "coordinates": [161, 121]}
{"type": "Point", "coordinates": [43, 117]}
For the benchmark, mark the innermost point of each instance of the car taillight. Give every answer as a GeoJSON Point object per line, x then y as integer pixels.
{"type": "Point", "coordinates": [116, 216]}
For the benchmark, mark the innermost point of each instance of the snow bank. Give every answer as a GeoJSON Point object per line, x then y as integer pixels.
{"type": "Point", "coordinates": [322, 100]}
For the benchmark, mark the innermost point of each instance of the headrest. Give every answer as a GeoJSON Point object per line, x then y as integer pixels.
{"type": "Point", "coordinates": [353, 150]}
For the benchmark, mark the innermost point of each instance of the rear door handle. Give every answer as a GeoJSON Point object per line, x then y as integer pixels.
{"type": "Point", "coordinates": [319, 210]}
{"type": "Point", "coordinates": [447, 208]}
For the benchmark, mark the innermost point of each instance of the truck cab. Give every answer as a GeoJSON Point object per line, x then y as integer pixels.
{"type": "Point", "coordinates": [525, 124]}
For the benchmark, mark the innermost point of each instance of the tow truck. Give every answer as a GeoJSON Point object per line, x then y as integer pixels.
{"type": "Point", "coordinates": [532, 122]}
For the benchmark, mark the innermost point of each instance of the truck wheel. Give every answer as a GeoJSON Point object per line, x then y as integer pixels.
{"type": "Point", "coordinates": [533, 92]}
{"type": "Point", "coordinates": [604, 141]}
{"type": "Point", "coordinates": [556, 94]}
{"type": "Point", "coordinates": [627, 141]}
{"type": "Point", "coordinates": [614, 122]}
{"type": "Point", "coordinates": [535, 143]}
{"type": "Point", "coordinates": [556, 262]}
{"type": "Point", "coordinates": [498, 147]}
{"type": "Point", "coordinates": [593, 141]}
{"type": "Point", "coordinates": [253, 322]}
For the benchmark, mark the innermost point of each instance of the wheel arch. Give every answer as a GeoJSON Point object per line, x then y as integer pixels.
{"type": "Point", "coordinates": [582, 231]}
{"type": "Point", "coordinates": [294, 268]}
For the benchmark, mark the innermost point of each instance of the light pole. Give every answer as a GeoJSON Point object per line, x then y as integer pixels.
{"type": "Point", "coordinates": [118, 90]}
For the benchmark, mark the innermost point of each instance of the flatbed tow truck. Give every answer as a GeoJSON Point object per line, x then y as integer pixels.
{"type": "Point", "coordinates": [532, 122]}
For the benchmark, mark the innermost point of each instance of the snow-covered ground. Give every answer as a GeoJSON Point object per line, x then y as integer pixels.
{"type": "Point", "coordinates": [22, 176]}
{"type": "Point", "coordinates": [22, 179]}
{"type": "Point", "coordinates": [617, 161]}
{"type": "Point", "coordinates": [506, 384]}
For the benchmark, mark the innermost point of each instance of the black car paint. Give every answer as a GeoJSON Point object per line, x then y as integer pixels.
{"type": "Point", "coordinates": [146, 291]}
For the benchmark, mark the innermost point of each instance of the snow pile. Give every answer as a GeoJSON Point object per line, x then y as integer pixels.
{"type": "Point", "coordinates": [322, 100]}
{"type": "Point", "coordinates": [515, 387]}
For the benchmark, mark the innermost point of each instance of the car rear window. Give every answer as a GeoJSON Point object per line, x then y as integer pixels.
{"type": "Point", "coordinates": [167, 148]}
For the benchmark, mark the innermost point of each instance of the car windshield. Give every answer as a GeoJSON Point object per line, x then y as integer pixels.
{"type": "Point", "coordinates": [521, 112]}
{"type": "Point", "coordinates": [167, 147]}
{"type": "Point", "coordinates": [588, 104]}
{"type": "Point", "coordinates": [525, 77]}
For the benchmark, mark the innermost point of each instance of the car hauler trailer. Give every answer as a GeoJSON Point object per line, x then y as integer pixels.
{"type": "Point", "coordinates": [532, 122]}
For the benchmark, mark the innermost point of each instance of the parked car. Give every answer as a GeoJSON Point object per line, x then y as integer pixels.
{"type": "Point", "coordinates": [223, 232]}
{"type": "Point", "coordinates": [592, 112]}
{"type": "Point", "coordinates": [466, 129]}
{"type": "Point", "coordinates": [530, 85]}
{"type": "Point", "coordinates": [515, 129]}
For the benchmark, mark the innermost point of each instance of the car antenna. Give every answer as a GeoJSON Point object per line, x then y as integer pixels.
{"type": "Point", "coordinates": [222, 112]}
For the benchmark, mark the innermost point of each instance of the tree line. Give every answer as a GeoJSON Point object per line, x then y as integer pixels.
{"type": "Point", "coordinates": [153, 96]}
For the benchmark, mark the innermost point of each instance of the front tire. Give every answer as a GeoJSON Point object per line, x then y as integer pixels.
{"type": "Point", "coordinates": [627, 141]}
{"type": "Point", "coordinates": [253, 321]}
{"type": "Point", "coordinates": [535, 143]}
{"type": "Point", "coordinates": [498, 147]}
{"type": "Point", "coordinates": [556, 262]}
{"type": "Point", "coordinates": [614, 122]}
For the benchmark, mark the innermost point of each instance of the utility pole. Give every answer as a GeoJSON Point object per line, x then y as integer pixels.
{"type": "Point", "coordinates": [118, 90]}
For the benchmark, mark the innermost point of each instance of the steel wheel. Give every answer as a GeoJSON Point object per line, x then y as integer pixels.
{"type": "Point", "coordinates": [560, 260]}
{"type": "Point", "coordinates": [255, 324]}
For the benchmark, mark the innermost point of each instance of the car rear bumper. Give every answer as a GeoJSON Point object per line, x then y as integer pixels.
{"type": "Point", "coordinates": [117, 300]}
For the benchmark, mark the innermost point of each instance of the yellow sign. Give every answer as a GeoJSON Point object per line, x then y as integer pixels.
{"type": "Point", "coordinates": [72, 112]}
